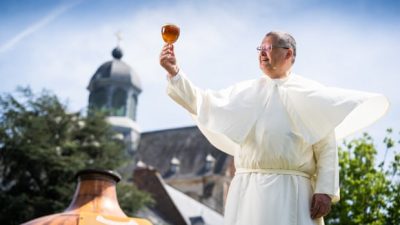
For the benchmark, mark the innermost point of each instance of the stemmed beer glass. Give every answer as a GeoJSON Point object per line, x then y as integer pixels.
{"type": "Point", "coordinates": [170, 33]}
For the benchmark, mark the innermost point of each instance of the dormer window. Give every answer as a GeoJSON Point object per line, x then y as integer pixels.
{"type": "Point", "coordinates": [174, 165]}
{"type": "Point", "coordinates": [198, 220]}
{"type": "Point", "coordinates": [210, 162]}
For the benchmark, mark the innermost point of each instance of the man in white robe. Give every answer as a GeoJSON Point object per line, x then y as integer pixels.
{"type": "Point", "coordinates": [282, 130]}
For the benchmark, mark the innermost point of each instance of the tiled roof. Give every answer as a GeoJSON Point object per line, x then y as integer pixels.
{"type": "Point", "coordinates": [187, 144]}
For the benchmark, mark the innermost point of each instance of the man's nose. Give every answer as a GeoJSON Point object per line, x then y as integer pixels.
{"type": "Point", "coordinates": [263, 53]}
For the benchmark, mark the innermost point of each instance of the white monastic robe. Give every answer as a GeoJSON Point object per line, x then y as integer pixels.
{"type": "Point", "coordinates": [282, 134]}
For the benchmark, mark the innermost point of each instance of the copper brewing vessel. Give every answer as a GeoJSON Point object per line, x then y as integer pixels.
{"type": "Point", "coordinates": [95, 202]}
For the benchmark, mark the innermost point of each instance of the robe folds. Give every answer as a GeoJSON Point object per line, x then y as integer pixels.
{"type": "Point", "coordinates": [282, 134]}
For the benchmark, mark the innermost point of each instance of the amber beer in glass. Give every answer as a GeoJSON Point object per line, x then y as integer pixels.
{"type": "Point", "coordinates": [170, 33]}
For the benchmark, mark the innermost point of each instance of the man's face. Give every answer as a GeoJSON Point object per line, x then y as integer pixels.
{"type": "Point", "coordinates": [271, 60]}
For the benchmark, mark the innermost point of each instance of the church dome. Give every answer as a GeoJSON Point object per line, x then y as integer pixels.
{"type": "Point", "coordinates": [115, 71]}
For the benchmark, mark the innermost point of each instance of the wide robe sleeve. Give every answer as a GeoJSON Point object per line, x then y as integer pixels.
{"type": "Point", "coordinates": [319, 109]}
{"type": "Point", "coordinates": [225, 117]}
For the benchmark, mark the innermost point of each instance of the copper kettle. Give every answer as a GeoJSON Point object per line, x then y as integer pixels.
{"type": "Point", "coordinates": [94, 203]}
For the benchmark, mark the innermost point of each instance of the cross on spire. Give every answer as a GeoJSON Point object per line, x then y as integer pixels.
{"type": "Point", "coordinates": [118, 35]}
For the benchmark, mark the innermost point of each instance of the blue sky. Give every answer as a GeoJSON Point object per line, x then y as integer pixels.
{"type": "Point", "coordinates": [58, 45]}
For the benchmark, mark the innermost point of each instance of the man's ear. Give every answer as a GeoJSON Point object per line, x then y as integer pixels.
{"type": "Point", "coordinates": [289, 53]}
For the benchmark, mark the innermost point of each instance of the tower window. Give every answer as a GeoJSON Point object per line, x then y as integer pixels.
{"type": "Point", "coordinates": [118, 103]}
{"type": "Point", "coordinates": [98, 98]}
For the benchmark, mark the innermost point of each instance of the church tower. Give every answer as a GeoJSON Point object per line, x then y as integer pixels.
{"type": "Point", "coordinates": [114, 88]}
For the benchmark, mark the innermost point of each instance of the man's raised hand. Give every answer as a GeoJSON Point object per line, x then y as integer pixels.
{"type": "Point", "coordinates": [168, 60]}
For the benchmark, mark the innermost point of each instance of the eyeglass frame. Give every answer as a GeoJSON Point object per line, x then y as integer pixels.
{"type": "Point", "coordinates": [270, 47]}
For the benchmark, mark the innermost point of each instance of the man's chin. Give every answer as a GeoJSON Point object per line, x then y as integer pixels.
{"type": "Point", "coordinates": [266, 67]}
{"type": "Point", "coordinates": [265, 70]}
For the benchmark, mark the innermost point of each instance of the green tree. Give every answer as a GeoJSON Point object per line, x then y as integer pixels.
{"type": "Point", "coordinates": [370, 192]}
{"type": "Point", "coordinates": [42, 146]}
{"type": "Point", "coordinates": [393, 173]}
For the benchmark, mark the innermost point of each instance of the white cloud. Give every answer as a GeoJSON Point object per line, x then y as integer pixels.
{"type": "Point", "coordinates": [35, 26]}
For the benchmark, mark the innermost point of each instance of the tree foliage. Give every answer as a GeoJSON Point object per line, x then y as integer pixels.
{"type": "Point", "coordinates": [370, 191]}
{"type": "Point", "coordinates": [42, 146]}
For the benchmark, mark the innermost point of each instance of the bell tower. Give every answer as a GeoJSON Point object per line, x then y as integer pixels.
{"type": "Point", "coordinates": [114, 89]}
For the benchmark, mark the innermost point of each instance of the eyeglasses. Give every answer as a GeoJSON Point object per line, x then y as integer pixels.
{"type": "Point", "coordinates": [269, 48]}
